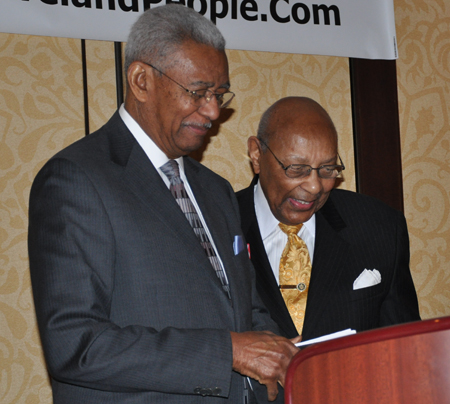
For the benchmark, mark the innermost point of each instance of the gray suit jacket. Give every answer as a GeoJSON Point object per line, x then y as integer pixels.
{"type": "Point", "coordinates": [353, 232]}
{"type": "Point", "coordinates": [129, 308]}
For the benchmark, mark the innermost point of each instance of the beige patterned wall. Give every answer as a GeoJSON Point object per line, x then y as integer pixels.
{"type": "Point", "coordinates": [423, 29]}
{"type": "Point", "coordinates": [41, 111]}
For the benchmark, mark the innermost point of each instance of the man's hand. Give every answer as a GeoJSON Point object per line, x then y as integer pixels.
{"type": "Point", "coordinates": [263, 356]}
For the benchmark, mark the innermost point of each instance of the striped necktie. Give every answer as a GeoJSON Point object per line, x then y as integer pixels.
{"type": "Point", "coordinates": [172, 172]}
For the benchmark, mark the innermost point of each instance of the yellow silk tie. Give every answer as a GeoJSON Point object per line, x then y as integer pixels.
{"type": "Point", "coordinates": [295, 274]}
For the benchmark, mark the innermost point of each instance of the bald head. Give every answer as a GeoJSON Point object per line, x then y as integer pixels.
{"type": "Point", "coordinates": [295, 132]}
{"type": "Point", "coordinates": [295, 113]}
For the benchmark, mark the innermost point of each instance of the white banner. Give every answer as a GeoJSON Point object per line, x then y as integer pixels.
{"type": "Point", "coordinates": [351, 28]}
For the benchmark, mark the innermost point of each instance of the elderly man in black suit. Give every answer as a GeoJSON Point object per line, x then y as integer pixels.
{"type": "Point", "coordinates": [325, 259]}
{"type": "Point", "coordinates": [143, 289]}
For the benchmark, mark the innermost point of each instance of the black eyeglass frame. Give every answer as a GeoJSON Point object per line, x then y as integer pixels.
{"type": "Point", "coordinates": [337, 167]}
{"type": "Point", "coordinates": [195, 94]}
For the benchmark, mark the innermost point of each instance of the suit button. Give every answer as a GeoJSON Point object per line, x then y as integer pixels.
{"type": "Point", "coordinates": [206, 392]}
{"type": "Point", "coordinates": [216, 391]}
{"type": "Point", "coordinates": [197, 390]}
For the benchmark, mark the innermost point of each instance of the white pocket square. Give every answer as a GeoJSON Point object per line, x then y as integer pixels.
{"type": "Point", "coordinates": [368, 277]}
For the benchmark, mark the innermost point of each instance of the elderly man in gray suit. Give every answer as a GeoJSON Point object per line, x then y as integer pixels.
{"type": "Point", "coordinates": [143, 289]}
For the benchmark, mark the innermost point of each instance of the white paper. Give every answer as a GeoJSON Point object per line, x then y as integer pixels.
{"type": "Point", "coordinates": [328, 337]}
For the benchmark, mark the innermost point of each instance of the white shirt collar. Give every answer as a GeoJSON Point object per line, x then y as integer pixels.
{"type": "Point", "coordinates": [266, 220]}
{"type": "Point", "coordinates": [154, 153]}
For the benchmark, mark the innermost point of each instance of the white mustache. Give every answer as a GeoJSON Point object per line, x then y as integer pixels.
{"type": "Point", "coordinates": [205, 125]}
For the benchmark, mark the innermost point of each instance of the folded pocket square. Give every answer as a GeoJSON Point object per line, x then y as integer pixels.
{"type": "Point", "coordinates": [238, 244]}
{"type": "Point", "coordinates": [367, 278]}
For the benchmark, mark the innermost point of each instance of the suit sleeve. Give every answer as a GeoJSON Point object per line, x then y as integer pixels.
{"type": "Point", "coordinates": [72, 258]}
{"type": "Point", "coordinates": [400, 305]}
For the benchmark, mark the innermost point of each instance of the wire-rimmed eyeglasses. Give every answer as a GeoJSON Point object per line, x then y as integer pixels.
{"type": "Point", "coordinates": [328, 172]}
{"type": "Point", "coordinates": [202, 97]}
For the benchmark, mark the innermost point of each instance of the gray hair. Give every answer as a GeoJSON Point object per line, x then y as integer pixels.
{"type": "Point", "coordinates": [160, 32]}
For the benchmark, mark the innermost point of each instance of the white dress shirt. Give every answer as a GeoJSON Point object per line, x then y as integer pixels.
{"type": "Point", "coordinates": [273, 237]}
{"type": "Point", "coordinates": [158, 158]}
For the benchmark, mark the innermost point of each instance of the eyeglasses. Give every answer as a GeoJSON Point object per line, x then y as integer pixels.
{"type": "Point", "coordinates": [202, 97]}
{"type": "Point", "coordinates": [328, 172]}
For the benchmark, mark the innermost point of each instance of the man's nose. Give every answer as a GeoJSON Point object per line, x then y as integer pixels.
{"type": "Point", "coordinates": [210, 109]}
{"type": "Point", "coordinates": [312, 183]}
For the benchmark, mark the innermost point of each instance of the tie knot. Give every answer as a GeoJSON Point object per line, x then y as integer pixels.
{"type": "Point", "coordinates": [290, 230]}
{"type": "Point", "coordinates": [170, 169]}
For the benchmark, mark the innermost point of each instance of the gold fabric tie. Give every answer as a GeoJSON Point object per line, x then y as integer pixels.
{"type": "Point", "coordinates": [295, 274]}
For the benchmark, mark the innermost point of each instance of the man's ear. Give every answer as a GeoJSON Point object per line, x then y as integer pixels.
{"type": "Point", "coordinates": [140, 80]}
{"type": "Point", "coordinates": [254, 151]}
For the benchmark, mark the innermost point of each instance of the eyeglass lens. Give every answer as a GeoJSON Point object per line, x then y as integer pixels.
{"type": "Point", "coordinates": [328, 172]}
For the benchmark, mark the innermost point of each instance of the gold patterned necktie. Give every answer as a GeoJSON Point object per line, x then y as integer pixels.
{"type": "Point", "coordinates": [295, 274]}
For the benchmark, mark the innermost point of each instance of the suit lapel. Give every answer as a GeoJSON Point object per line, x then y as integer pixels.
{"type": "Point", "coordinates": [266, 283]}
{"type": "Point", "coordinates": [140, 176]}
{"type": "Point", "coordinates": [330, 255]}
{"type": "Point", "coordinates": [216, 219]}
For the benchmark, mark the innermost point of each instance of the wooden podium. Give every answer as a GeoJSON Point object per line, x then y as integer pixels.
{"type": "Point", "coordinates": [404, 364]}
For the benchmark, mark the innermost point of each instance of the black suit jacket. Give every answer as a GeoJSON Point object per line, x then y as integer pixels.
{"type": "Point", "coordinates": [128, 305]}
{"type": "Point", "coordinates": [353, 232]}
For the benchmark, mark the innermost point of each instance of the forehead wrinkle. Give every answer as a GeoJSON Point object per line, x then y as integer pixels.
{"type": "Point", "coordinates": [187, 63]}
{"type": "Point", "coordinates": [325, 162]}
{"type": "Point", "coordinates": [208, 84]}
{"type": "Point", "coordinates": [305, 161]}
{"type": "Point", "coordinates": [304, 149]}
